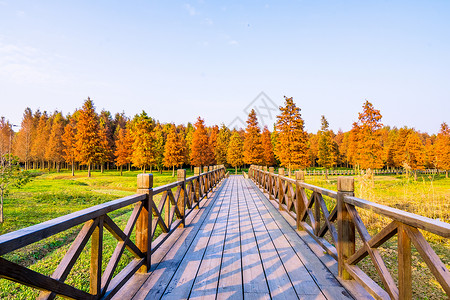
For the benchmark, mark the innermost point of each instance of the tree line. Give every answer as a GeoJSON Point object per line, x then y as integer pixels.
{"type": "Point", "coordinates": [87, 139]}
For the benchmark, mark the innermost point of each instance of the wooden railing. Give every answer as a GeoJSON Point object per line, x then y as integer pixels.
{"type": "Point", "coordinates": [313, 216]}
{"type": "Point", "coordinates": [375, 172]}
{"type": "Point", "coordinates": [176, 202]}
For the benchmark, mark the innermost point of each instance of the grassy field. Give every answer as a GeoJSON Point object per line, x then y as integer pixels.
{"type": "Point", "coordinates": [51, 195]}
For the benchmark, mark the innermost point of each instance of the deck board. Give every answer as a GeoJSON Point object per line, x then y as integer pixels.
{"type": "Point", "coordinates": [236, 246]}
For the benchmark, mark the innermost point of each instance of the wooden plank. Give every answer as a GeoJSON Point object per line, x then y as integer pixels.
{"type": "Point", "coordinates": [230, 278]}
{"type": "Point", "coordinates": [326, 280]}
{"type": "Point", "coordinates": [206, 280]}
{"type": "Point", "coordinates": [278, 279]}
{"type": "Point", "coordinates": [179, 236]}
{"type": "Point", "coordinates": [302, 282]}
{"type": "Point", "coordinates": [254, 279]}
{"type": "Point", "coordinates": [96, 259]}
{"type": "Point", "coordinates": [370, 285]}
{"type": "Point", "coordinates": [184, 258]}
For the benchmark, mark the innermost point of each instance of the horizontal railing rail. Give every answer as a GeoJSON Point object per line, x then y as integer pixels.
{"type": "Point", "coordinates": [333, 172]}
{"type": "Point", "coordinates": [178, 199]}
{"type": "Point", "coordinates": [341, 220]}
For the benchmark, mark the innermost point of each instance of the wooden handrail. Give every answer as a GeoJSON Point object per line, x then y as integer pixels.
{"type": "Point", "coordinates": [146, 217]}
{"type": "Point", "coordinates": [343, 220]}
{"type": "Point", "coordinates": [434, 226]}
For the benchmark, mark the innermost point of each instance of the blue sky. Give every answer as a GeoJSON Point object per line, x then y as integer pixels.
{"type": "Point", "coordinates": [178, 60]}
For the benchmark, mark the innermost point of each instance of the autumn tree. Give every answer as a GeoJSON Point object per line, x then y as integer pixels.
{"type": "Point", "coordinates": [213, 143]}
{"type": "Point", "coordinates": [313, 148]}
{"type": "Point", "coordinates": [69, 144]}
{"type": "Point", "coordinates": [6, 134]}
{"type": "Point", "coordinates": [325, 147]}
{"type": "Point", "coordinates": [143, 141]}
{"type": "Point", "coordinates": [40, 141]}
{"type": "Point", "coordinates": [266, 142]}
{"type": "Point", "coordinates": [235, 155]}
{"type": "Point", "coordinates": [189, 136]}
{"type": "Point", "coordinates": [158, 146]}
{"type": "Point", "coordinates": [253, 150]}
{"type": "Point", "coordinates": [223, 139]}
{"type": "Point", "coordinates": [22, 146]}
{"type": "Point", "coordinates": [106, 139]}
{"type": "Point", "coordinates": [415, 154]}
{"type": "Point", "coordinates": [88, 139]}
{"type": "Point", "coordinates": [370, 151]}
{"type": "Point", "coordinates": [292, 148]}
{"type": "Point", "coordinates": [174, 150]}
{"type": "Point", "coordinates": [201, 152]}
{"type": "Point", "coordinates": [54, 151]}
{"type": "Point", "coordinates": [124, 150]}
{"type": "Point", "coordinates": [442, 149]}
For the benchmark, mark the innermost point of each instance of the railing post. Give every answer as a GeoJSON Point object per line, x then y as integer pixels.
{"type": "Point", "coordinates": [143, 224]}
{"type": "Point", "coordinates": [300, 207]}
{"type": "Point", "coordinates": [198, 185]}
{"type": "Point", "coordinates": [205, 181]}
{"type": "Point", "coordinates": [280, 188]}
{"type": "Point", "coordinates": [346, 227]}
{"type": "Point", "coordinates": [181, 203]}
{"type": "Point", "coordinates": [271, 177]}
{"type": "Point", "coordinates": [95, 279]}
{"type": "Point", "coordinates": [404, 264]}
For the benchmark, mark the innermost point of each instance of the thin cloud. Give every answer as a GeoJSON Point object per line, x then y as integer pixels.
{"type": "Point", "coordinates": [233, 42]}
{"type": "Point", "coordinates": [190, 9]}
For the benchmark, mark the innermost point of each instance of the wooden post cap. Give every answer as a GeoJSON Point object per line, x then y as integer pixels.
{"type": "Point", "coordinates": [211, 168]}
{"type": "Point", "coordinates": [271, 169]}
{"type": "Point", "coordinates": [205, 169]}
{"type": "Point", "coordinates": [281, 171]}
{"type": "Point", "coordinates": [265, 168]}
{"type": "Point", "coordinates": [346, 184]}
{"type": "Point", "coordinates": [181, 174]}
{"type": "Point", "coordinates": [196, 170]}
{"type": "Point", "coordinates": [145, 181]}
{"type": "Point", "coordinates": [300, 175]}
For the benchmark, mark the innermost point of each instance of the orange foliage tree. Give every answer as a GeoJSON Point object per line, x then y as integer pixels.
{"type": "Point", "coordinates": [55, 147]}
{"type": "Point", "coordinates": [24, 138]}
{"type": "Point", "coordinates": [415, 154]}
{"type": "Point", "coordinates": [143, 141]}
{"type": "Point", "coordinates": [69, 143]}
{"type": "Point", "coordinates": [88, 142]}
{"type": "Point", "coordinates": [253, 150]}
{"type": "Point", "coordinates": [325, 147]}
{"type": "Point", "coordinates": [174, 150]}
{"type": "Point", "coordinates": [223, 139]}
{"type": "Point", "coordinates": [213, 143]}
{"type": "Point", "coordinates": [235, 156]}
{"type": "Point", "coordinates": [201, 153]}
{"type": "Point", "coordinates": [124, 148]}
{"type": "Point", "coordinates": [442, 149]}
{"type": "Point", "coordinates": [266, 142]}
{"type": "Point", "coordinates": [292, 147]}
{"type": "Point", "coordinates": [42, 131]}
{"type": "Point", "coordinates": [370, 151]}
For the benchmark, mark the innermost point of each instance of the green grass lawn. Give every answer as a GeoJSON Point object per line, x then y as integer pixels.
{"type": "Point", "coordinates": [51, 195]}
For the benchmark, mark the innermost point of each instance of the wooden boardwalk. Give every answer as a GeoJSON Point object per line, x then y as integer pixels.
{"type": "Point", "coordinates": [236, 246]}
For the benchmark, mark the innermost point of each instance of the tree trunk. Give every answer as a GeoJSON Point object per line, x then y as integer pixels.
{"type": "Point", "coordinates": [326, 173]}
{"type": "Point", "coordinates": [89, 170]}
{"type": "Point", "coordinates": [446, 173]}
{"type": "Point", "coordinates": [173, 171]}
{"type": "Point", "coordinates": [102, 167]}
{"type": "Point", "coordinates": [73, 169]}
{"type": "Point", "coordinates": [57, 167]}
{"type": "Point", "coordinates": [121, 173]}
{"type": "Point", "coordinates": [235, 172]}
{"type": "Point", "coordinates": [129, 167]}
